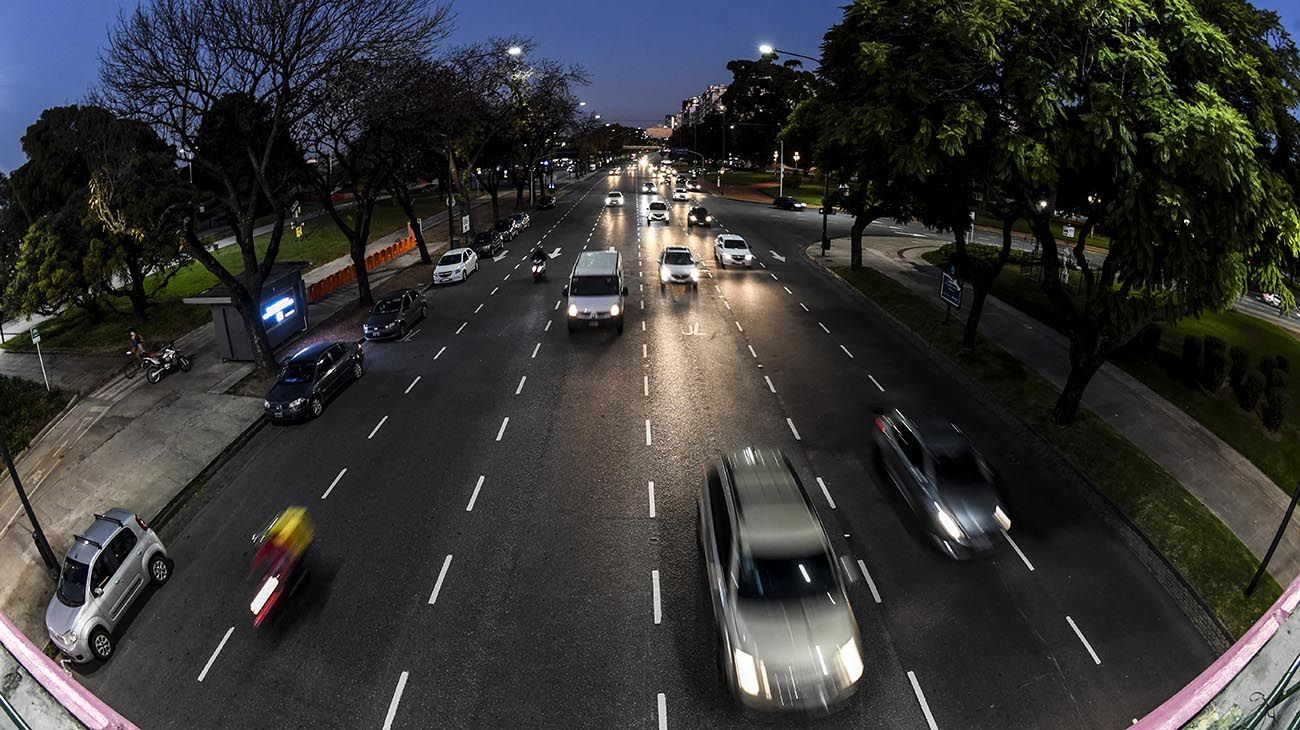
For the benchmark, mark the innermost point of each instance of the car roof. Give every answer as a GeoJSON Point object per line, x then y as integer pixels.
{"type": "Point", "coordinates": [730, 237]}
{"type": "Point", "coordinates": [681, 249]}
{"type": "Point", "coordinates": [596, 263]}
{"type": "Point", "coordinates": [461, 250]}
{"type": "Point", "coordinates": [394, 295]}
{"type": "Point", "coordinates": [83, 549]}
{"type": "Point", "coordinates": [772, 513]}
{"type": "Point", "coordinates": [310, 352]}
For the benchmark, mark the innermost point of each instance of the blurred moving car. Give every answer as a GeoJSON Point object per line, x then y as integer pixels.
{"type": "Point", "coordinates": [614, 198]}
{"type": "Point", "coordinates": [455, 265]}
{"type": "Point", "coordinates": [393, 314]}
{"type": "Point", "coordinates": [785, 202]}
{"type": "Point", "coordinates": [698, 215]}
{"type": "Point", "coordinates": [488, 243]}
{"type": "Point", "coordinates": [729, 248]}
{"type": "Point", "coordinates": [678, 266]}
{"type": "Point", "coordinates": [522, 221]}
{"type": "Point", "coordinates": [310, 377]}
{"type": "Point", "coordinates": [545, 202]}
{"type": "Point", "coordinates": [944, 480]}
{"type": "Point", "coordinates": [103, 573]}
{"type": "Point", "coordinates": [787, 637]}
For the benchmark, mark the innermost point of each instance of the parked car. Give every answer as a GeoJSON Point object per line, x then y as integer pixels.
{"type": "Point", "coordinates": [944, 480]}
{"type": "Point", "coordinates": [785, 202]}
{"type": "Point", "coordinates": [522, 220]}
{"type": "Point", "coordinates": [394, 313]}
{"type": "Point", "coordinates": [729, 248]}
{"type": "Point", "coordinates": [787, 637]}
{"type": "Point", "coordinates": [488, 243]}
{"type": "Point", "coordinates": [455, 265]}
{"type": "Point", "coordinates": [103, 573]}
{"type": "Point", "coordinates": [310, 377]}
{"type": "Point", "coordinates": [678, 266]}
{"type": "Point", "coordinates": [506, 228]}
{"type": "Point", "coordinates": [698, 215]}
{"type": "Point", "coordinates": [545, 202]}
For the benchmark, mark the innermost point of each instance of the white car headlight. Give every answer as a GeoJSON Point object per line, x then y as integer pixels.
{"type": "Point", "coordinates": [67, 638]}
{"type": "Point", "coordinates": [708, 219]}
{"type": "Point", "coordinates": [573, 310]}
{"type": "Point", "coordinates": [946, 521]}
{"type": "Point", "coordinates": [266, 404]}
{"type": "Point", "coordinates": [297, 402]}
{"type": "Point", "coordinates": [664, 273]}
{"type": "Point", "coordinates": [851, 659]}
{"type": "Point", "coordinates": [695, 274]}
{"type": "Point", "coordinates": [746, 673]}
{"type": "Point", "coordinates": [613, 310]}
{"type": "Point", "coordinates": [749, 257]}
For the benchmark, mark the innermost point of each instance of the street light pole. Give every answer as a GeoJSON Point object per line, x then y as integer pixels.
{"type": "Point", "coordinates": [781, 186]}
{"type": "Point", "coordinates": [42, 545]}
{"type": "Point", "coordinates": [826, 206]}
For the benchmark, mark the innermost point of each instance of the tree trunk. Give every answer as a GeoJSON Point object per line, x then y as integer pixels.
{"type": "Point", "coordinates": [1085, 360]}
{"type": "Point", "coordinates": [496, 205]}
{"type": "Point", "coordinates": [860, 224]}
{"type": "Point", "coordinates": [413, 220]}
{"type": "Point", "coordinates": [978, 295]}
{"type": "Point", "coordinates": [357, 247]}
{"type": "Point", "coordinates": [981, 278]}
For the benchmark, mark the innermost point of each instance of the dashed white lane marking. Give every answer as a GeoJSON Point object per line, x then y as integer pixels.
{"type": "Point", "coordinates": [727, 303]}
{"type": "Point", "coordinates": [444, 349]}
{"type": "Point", "coordinates": [537, 347]}
{"type": "Point", "coordinates": [643, 325]}
{"type": "Point", "coordinates": [819, 324]}
{"type": "Point", "coordinates": [654, 586]}
{"type": "Point", "coordinates": [557, 304]}
{"type": "Point", "coordinates": [1095, 659]}
{"type": "Point", "coordinates": [760, 263]}
{"type": "Point", "coordinates": [871, 584]}
{"type": "Point", "coordinates": [751, 350]}
{"type": "Point", "coordinates": [826, 492]}
{"type": "Point", "coordinates": [518, 265]}
{"type": "Point", "coordinates": [645, 385]}
{"type": "Point", "coordinates": [769, 384]}
{"type": "Point", "coordinates": [805, 306]}
{"type": "Point", "coordinates": [412, 334]}
{"type": "Point", "coordinates": [213, 658]}
{"type": "Point", "coordinates": [642, 305]}
{"type": "Point", "coordinates": [547, 328]}
{"type": "Point", "coordinates": [474, 497]}
{"type": "Point", "coordinates": [520, 389]}
{"type": "Point", "coordinates": [437, 587]}
{"type": "Point", "coordinates": [412, 385]}
{"type": "Point", "coordinates": [375, 430]}
{"type": "Point", "coordinates": [494, 290]}
{"type": "Point", "coordinates": [502, 431]}
{"type": "Point", "coordinates": [663, 712]}
{"type": "Point", "coordinates": [1028, 564]}
{"type": "Point", "coordinates": [463, 326]}
{"type": "Point", "coordinates": [507, 278]}
{"type": "Point", "coordinates": [478, 309]}
{"type": "Point", "coordinates": [920, 698]}
{"type": "Point", "coordinates": [793, 430]}
{"type": "Point", "coordinates": [773, 277]}
{"type": "Point", "coordinates": [334, 483]}
{"type": "Point", "coordinates": [644, 351]}
{"type": "Point", "coordinates": [647, 432]}
{"type": "Point", "coordinates": [742, 329]}
{"type": "Point", "coordinates": [846, 352]}
{"type": "Point", "coordinates": [652, 499]}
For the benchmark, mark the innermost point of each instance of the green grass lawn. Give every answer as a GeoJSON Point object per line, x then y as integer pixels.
{"type": "Point", "coordinates": [169, 317]}
{"type": "Point", "coordinates": [1020, 226]}
{"type": "Point", "coordinates": [25, 408]}
{"type": "Point", "coordinates": [1207, 553]}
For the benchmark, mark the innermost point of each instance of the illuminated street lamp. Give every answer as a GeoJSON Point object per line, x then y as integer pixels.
{"type": "Point", "coordinates": [766, 49]}
{"type": "Point", "coordinates": [515, 51]}
{"type": "Point", "coordinates": [796, 162]}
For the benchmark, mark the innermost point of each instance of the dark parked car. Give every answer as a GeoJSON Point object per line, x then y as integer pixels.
{"type": "Point", "coordinates": [489, 243]}
{"type": "Point", "coordinates": [944, 480]}
{"type": "Point", "coordinates": [545, 202]}
{"type": "Point", "coordinates": [507, 228]}
{"type": "Point", "coordinates": [310, 377]}
{"type": "Point", "coordinates": [394, 313]}
{"type": "Point", "coordinates": [785, 202]}
{"type": "Point", "coordinates": [699, 216]}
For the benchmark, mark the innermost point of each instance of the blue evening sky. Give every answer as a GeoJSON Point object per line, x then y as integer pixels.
{"type": "Point", "coordinates": [643, 58]}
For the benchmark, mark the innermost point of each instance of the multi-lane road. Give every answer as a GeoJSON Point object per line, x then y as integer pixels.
{"type": "Point", "coordinates": [506, 520]}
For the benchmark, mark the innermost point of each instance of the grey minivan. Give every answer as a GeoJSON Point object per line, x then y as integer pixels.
{"type": "Point", "coordinates": [596, 290]}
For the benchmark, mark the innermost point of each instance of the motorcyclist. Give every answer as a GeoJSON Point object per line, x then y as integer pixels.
{"type": "Point", "coordinates": [282, 548]}
{"type": "Point", "coordinates": [539, 254]}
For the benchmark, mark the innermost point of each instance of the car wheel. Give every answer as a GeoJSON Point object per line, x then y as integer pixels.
{"type": "Point", "coordinates": [620, 326]}
{"type": "Point", "coordinates": [401, 330]}
{"type": "Point", "coordinates": [101, 644]}
{"type": "Point", "coordinates": [160, 569]}
{"type": "Point", "coordinates": [185, 364]}
{"type": "Point", "coordinates": [153, 375]}
{"type": "Point", "coordinates": [357, 370]}
{"type": "Point", "coordinates": [317, 406]}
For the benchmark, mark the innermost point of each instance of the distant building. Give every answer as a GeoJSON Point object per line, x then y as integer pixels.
{"type": "Point", "coordinates": [659, 133]}
{"type": "Point", "coordinates": [700, 106]}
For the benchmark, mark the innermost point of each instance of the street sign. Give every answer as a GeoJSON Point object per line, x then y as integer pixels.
{"type": "Point", "coordinates": [950, 288]}
{"type": "Point", "coordinates": [36, 336]}
{"type": "Point", "coordinates": [464, 224]}
{"type": "Point", "coordinates": [1067, 231]}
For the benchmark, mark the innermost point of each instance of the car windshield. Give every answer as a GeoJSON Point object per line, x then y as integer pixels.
{"type": "Point", "coordinates": [593, 286]}
{"type": "Point", "coordinates": [450, 259]}
{"type": "Point", "coordinates": [502, 224]}
{"type": "Point", "coordinates": [739, 245]}
{"type": "Point", "coordinates": [786, 577]}
{"type": "Point", "coordinates": [388, 306]}
{"type": "Point", "coordinates": [699, 212]}
{"type": "Point", "coordinates": [72, 583]}
{"type": "Point", "coordinates": [298, 372]}
{"type": "Point", "coordinates": [677, 258]}
{"type": "Point", "coordinates": [957, 467]}
{"type": "Point", "coordinates": [658, 206]}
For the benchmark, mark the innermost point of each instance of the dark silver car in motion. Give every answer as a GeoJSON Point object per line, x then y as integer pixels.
{"type": "Point", "coordinates": [310, 377]}
{"type": "Point", "coordinates": [944, 480]}
{"type": "Point", "coordinates": [394, 313]}
{"type": "Point", "coordinates": [787, 637]}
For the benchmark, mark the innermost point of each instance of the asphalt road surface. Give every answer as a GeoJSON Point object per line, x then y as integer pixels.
{"type": "Point", "coordinates": [489, 542]}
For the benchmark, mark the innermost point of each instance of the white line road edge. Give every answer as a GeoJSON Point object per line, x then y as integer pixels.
{"type": "Point", "coordinates": [213, 658]}
{"type": "Point", "coordinates": [654, 586]}
{"type": "Point", "coordinates": [502, 432]}
{"type": "Point", "coordinates": [871, 584]}
{"type": "Point", "coordinates": [826, 492]}
{"type": "Point", "coordinates": [920, 698]}
{"type": "Point", "coordinates": [334, 483]}
{"type": "Point", "coordinates": [397, 699]}
{"type": "Point", "coordinates": [412, 385]}
{"type": "Point", "coordinates": [1095, 659]}
{"type": "Point", "coordinates": [437, 586]}
{"type": "Point", "coordinates": [1028, 564]}
{"type": "Point", "coordinates": [474, 497]}
{"type": "Point", "coordinates": [375, 430]}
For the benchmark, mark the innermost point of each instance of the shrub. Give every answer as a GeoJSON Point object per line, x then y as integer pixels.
{"type": "Point", "coordinates": [1147, 341]}
{"type": "Point", "coordinates": [1240, 361]}
{"type": "Point", "coordinates": [1267, 365]}
{"type": "Point", "coordinates": [1214, 369]}
{"type": "Point", "coordinates": [1191, 357]}
{"type": "Point", "coordinates": [1282, 363]}
{"type": "Point", "coordinates": [1275, 405]}
{"type": "Point", "coordinates": [1279, 378]}
{"type": "Point", "coordinates": [1252, 389]}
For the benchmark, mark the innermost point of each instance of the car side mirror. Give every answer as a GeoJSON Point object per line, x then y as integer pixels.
{"type": "Point", "coordinates": [624, 291]}
{"type": "Point", "coordinates": [565, 290]}
{"type": "Point", "coordinates": [96, 592]}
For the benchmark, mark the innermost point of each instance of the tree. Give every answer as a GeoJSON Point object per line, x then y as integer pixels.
{"type": "Point", "coordinates": [11, 236]}
{"type": "Point", "coordinates": [540, 107]}
{"type": "Point", "coordinates": [228, 80]}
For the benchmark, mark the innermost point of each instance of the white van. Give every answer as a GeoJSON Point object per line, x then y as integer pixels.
{"type": "Point", "coordinates": [596, 290]}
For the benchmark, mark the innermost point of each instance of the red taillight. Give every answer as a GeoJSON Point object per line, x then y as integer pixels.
{"type": "Point", "coordinates": [880, 425]}
{"type": "Point", "coordinates": [141, 523]}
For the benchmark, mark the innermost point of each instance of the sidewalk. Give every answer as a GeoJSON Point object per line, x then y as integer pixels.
{"type": "Point", "coordinates": [1238, 493]}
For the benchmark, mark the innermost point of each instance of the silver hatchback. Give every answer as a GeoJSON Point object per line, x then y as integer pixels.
{"type": "Point", "coordinates": [104, 572]}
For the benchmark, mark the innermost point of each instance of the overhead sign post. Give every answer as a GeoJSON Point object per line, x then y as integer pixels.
{"type": "Point", "coordinates": [36, 340]}
{"type": "Point", "coordinates": [950, 290]}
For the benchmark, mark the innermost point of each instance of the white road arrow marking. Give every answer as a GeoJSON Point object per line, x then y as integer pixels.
{"type": "Point", "coordinates": [556, 252]}
{"type": "Point", "coordinates": [777, 256]}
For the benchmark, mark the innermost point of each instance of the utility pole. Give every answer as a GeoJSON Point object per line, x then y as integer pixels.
{"type": "Point", "coordinates": [781, 167]}
{"type": "Point", "coordinates": [826, 207]}
{"type": "Point", "coordinates": [38, 537]}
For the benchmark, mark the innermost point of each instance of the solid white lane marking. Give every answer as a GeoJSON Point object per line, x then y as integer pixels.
{"type": "Point", "coordinates": [826, 492]}
{"type": "Point", "coordinates": [334, 483]}
{"type": "Point", "coordinates": [557, 304]}
{"type": "Point", "coordinates": [644, 352]}
{"type": "Point", "coordinates": [751, 350]}
{"type": "Point", "coordinates": [437, 587]}
{"type": "Point", "coordinates": [793, 430]}
{"type": "Point", "coordinates": [769, 384]}
{"type": "Point", "coordinates": [1095, 659]}
{"type": "Point", "coordinates": [213, 658]}
{"type": "Point", "coordinates": [537, 347]}
{"type": "Point", "coordinates": [663, 712]}
{"type": "Point", "coordinates": [846, 352]}
{"type": "Point", "coordinates": [876, 383]}
{"type": "Point", "coordinates": [494, 290]}
{"type": "Point", "coordinates": [397, 698]}
{"type": "Point", "coordinates": [547, 328]}
{"type": "Point", "coordinates": [819, 324]}
{"type": "Point", "coordinates": [412, 385]}
{"type": "Point", "coordinates": [520, 389]}
{"type": "Point", "coordinates": [1028, 564]}
{"type": "Point", "coordinates": [647, 432]}
{"type": "Point", "coordinates": [866, 575]}
{"type": "Point", "coordinates": [652, 499]}
{"type": "Point", "coordinates": [458, 329]}
{"type": "Point", "coordinates": [478, 309]}
{"type": "Point", "coordinates": [805, 306]}
{"type": "Point", "coordinates": [920, 698]}
{"type": "Point", "coordinates": [474, 497]}
{"type": "Point", "coordinates": [645, 385]}
{"type": "Point", "coordinates": [375, 430]}
{"type": "Point", "coordinates": [502, 432]}
{"type": "Point", "coordinates": [444, 349]}
{"type": "Point", "coordinates": [654, 584]}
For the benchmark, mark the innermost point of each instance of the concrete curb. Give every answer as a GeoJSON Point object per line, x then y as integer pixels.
{"type": "Point", "coordinates": [1165, 573]}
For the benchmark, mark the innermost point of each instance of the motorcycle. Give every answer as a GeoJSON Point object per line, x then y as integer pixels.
{"type": "Point", "coordinates": [166, 360]}
{"type": "Point", "coordinates": [282, 572]}
{"type": "Point", "coordinates": [539, 271]}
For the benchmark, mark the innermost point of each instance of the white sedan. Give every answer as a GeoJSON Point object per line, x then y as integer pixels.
{"type": "Point", "coordinates": [614, 198]}
{"type": "Point", "coordinates": [455, 265]}
{"type": "Point", "coordinates": [680, 194]}
{"type": "Point", "coordinates": [729, 248]}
